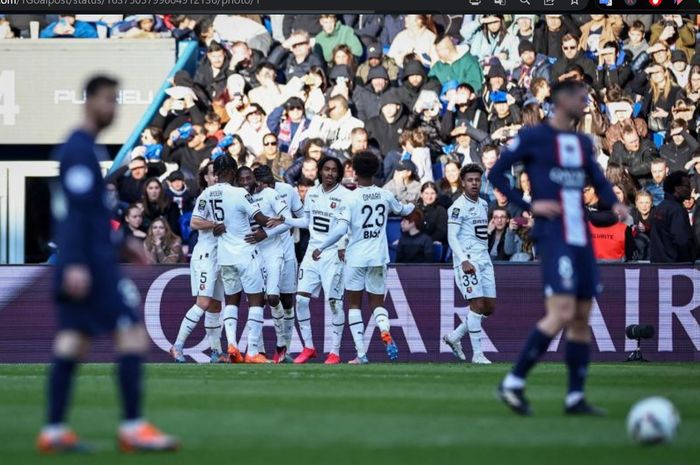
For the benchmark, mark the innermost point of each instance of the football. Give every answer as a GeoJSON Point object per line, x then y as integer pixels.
{"type": "Point", "coordinates": [653, 421]}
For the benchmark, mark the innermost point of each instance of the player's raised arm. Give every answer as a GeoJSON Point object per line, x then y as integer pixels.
{"type": "Point", "coordinates": [398, 208]}
{"type": "Point", "coordinates": [513, 154]}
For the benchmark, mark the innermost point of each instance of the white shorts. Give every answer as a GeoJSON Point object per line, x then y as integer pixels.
{"type": "Point", "coordinates": [482, 283]}
{"type": "Point", "coordinates": [247, 277]}
{"type": "Point", "coordinates": [288, 279]}
{"type": "Point", "coordinates": [368, 278]}
{"type": "Point", "coordinates": [205, 279]}
{"type": "Point", "coordinates": [272, 271]}
{"type": "Point", "coordinates": [326, 274]}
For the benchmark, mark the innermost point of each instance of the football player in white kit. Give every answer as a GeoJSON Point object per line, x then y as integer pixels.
{"type": "Point", "coordinates": [467, 234]}
{"type": "Point", "coordinates": [320, 208]}
{"type": "Point", "coordinates": [205, 278]}
{"type": "Point", "coordinates": [269, 246]}
{"type": "Point", "coordinates": [364, 218]}
{"type": "Point", "coordinates": [283, 311]}
{"type": "Point", "coordinates": [238, 258]}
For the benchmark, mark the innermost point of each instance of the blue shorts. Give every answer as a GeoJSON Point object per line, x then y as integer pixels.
{"type": "Point", "coordinates": [568, 270]}
{"type": "Point", "coordinates": [106, 309]}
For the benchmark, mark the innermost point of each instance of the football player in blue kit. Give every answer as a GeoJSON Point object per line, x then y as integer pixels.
{"type": "Point", "coordinates": [91, 295]}
{"type": "Point", "coordinates": [559, 161]}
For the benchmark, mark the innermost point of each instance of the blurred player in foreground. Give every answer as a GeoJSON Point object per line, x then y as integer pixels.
{"type": "Point", "coordinates": [92, 297]}
{"type": "Point", "coordinates": [558, 161]}
{"type": "Point", "coordinates": [363, 217]}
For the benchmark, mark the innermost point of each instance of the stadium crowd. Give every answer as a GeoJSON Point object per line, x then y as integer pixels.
{"type": "Point", "coordinates": [427, 94]}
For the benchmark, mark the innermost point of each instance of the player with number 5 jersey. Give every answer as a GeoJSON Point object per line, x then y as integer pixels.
{"type": "Point", "coordinates": [364, 218]}
{"type": "Point", "coordinates": [467, 234]}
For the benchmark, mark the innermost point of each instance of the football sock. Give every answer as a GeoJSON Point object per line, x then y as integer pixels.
{"type": "Point", "coordinates": [278, 317]}
{"type": "Point", "coordinates": [460, 331]}
{"type": "Point", "coordinates": [212, 327]}
{"type": "Point", "coordinates": [288, 327]}
{"type": "Point", "coordinates": [357, 328]}
{"type": "Point", "coordinates": [231, 323]}
{"type": "Point", "coordinates": [381, 317]}
{"type": "Point", "coordinates": [535, 347]}
{"type": "Point", "coordinates": [577, 358]}
{"type": "Point", "coordinates": [304, 319]}
{"type": "Point", "coordinates": [255, 325]}
{"type": "Point", "coordinates": [338, 325]}
{"type": "Point", "coordinates": [60, 386]}
{"type": "Point", "coordinates": [474, 325]}
{"type": "Point", "coordinates": [130, 372]}
{"type": "Point", "coordinates": [191, 319]}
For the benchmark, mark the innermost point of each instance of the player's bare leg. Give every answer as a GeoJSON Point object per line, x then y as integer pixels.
{"type": "Point", "coordinates": [381, 318]}
{"type": "Point", "coordinates": [255, 324]}
{"type": "Point", "coordinates": [70, 347]}
{"type": "Point", "coordinates": [578, 340]}
{"type": "Point", "coordinates": [479, 309]}
{"type": "Point", "coordinates": [561, 310]}
{"type": "Point", "coordinates": [230, 321]}
{"type": "Point", "coordinates": [357, 327]}
{"type": "Point", "coordinates": [304, 320]}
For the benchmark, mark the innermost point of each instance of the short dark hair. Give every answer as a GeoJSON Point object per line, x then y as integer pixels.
{"type": "Point", "coordinates": [214, 46]}
{"type": "Point", "coordinates": [306, 182]}
{"type": "Point", "coordinates": [365, 164]}
{"type": "Point", "coordinates": [416, 217]}
{"type": "Point", "coordinates": [673, 180]}
{"type": "Point", "coordinates": [97, 83]}
{"type": "Point", "coordinates": [263, 174]}
{"type": "Point", "coordinates": [225, 164]}
{"type": "Point", "coordinates": [338, 165]}
{"type": "Point", "coordinates": [566, 87]}
{"type": "Point", "coordinates": [470, 168]}
{"type": "Point", "coordinates": [440, 37]}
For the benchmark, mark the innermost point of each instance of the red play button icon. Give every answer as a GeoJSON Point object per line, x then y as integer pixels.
{"type": "Point", "coordinates": [655, 2]}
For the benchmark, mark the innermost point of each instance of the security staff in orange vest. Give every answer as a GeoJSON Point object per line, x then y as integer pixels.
{"type": "Point", "coordinates": [612, 240]}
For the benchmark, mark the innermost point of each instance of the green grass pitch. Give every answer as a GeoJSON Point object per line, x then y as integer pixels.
{"type": "Point", "coordinates": [384, 414]}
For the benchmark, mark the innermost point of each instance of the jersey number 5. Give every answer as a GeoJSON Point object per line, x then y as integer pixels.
{"type": "Point", "coordinates": [216, 209]}
{"type": "Point", "coordinates": [321, 224]}
{"type": "Point", "coordinates": [380, 210]}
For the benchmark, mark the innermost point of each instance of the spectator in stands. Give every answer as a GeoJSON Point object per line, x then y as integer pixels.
{"type": "Point", "coordinates": [680, 68]}
{"type": "Point", "coordinates": [532, 65]}
{"type": "Point", "coordinates": [248, 29]}
{"type": "Point", "coordinates": [414, 148]}
{"type": "Point", "coordinates": [416, 39]}
{"type": "Point", "coordinates": [636, 42]}
{"type": "Point", "coordinates": [268, 93]}
{"type": "Point", "coordinates": [335, 125]}
{"type": "Point", "coordinates": [415, 80]}
{"type": "Point", "coordinates": [414, 246]}
{"type": "Point", "coordinates": [289, 123]}
{"type": "Point", "coordinates": [612, 68]}
{"type": "Point", "coordinates": [404, 184]}
{"type": "Point", "coordinates": [68, 27]}
{"type": "Point", "coordinates": [214, 70]}
{"type": "Point", "coordinates": [188, 146]}
{"type": "Point", "coordinates": [549, 35]}
{"type": "Point", "coordinates": [376, 57]}
{"type": "Point", "coordinates": [367, 98]}
{"type": "Point", "coordinates": [562, 70]}
{"type": "Point", "coordinates": [130, 180]}
{"type": "Point", "coordinates": [184, 27]}
{"type": "Point", "coordinates": [132, 225]}
{"type": "Point", "coordinates": [156, 204]}
{"type": "Point", "coordinates": [659, 171]}
{"type": "Point", "coordinates": [385, 129]}
{"type": "Point", "coordinates": [502, 202]}
{"type": "Point", "coordinates": [234, 147]}
{"type": "Point", "coordinates": [141, 27]}
{"type": "Point", "coordinates": [464, 109]}
{"type": "Point", "coordinates": [641, 214]}
{"type": "Point", "coordinates": [599, 32]}
{"type": "Point", "coordinates": [294, 23]}
{"type": "Point", "coordinates": [179, 193]}
{"type": "Point", "coordinates": [590, 196]}
{"type": "Point", "coordinates": [634, 154]}
{"type": "Point", "coordinates": [367, 27]}
{"type": "Point", "coordinates": [342, 56]}
{"type": "Point", "coordinates": [488, 38]}
{"type": "Point", "coordinates": [434, 214]}
{"type": "Point", "coordinates": [244, 61]}
{"type": "Point", "coordinates": [6, 31]}
{"type": "Point", "coordinates": [453, 65]}
{"type": "Point", "coordinates": [660, 97]}
{"type": "Point", "coordinates": [489, 157]}
{"type": "Point", "coordinates": [519, 246]}
{"type": "Point", "coordinates": [271, 156]}
{"type": "Point", "coordinates": [294, 57]}
{"type": "Point", "coordinates": [523, 27]}
{"type": "Point", "coordinates": [359, 142]}
{"type": "Point", "coordinates": [162, 246]}
{"type": "Point", "coordinates": [450, 184]}
{"type": "Point", "coordinates": [309, 169]}
{"type": "Point", "coordinates": [693, 168]}
{"type": "Point", "coordinates": [253, 129]}
{"type": "Point", "coordinates": [212, 127]}
{"type": "Point", "coordinates": [313, 149]}
{"type": "Point", "coordinates": [332, 34]}
{"type": "Point", "coordinates": [674, 32]}
{"type": "Point", "coordinates": [426, 118]}
{"type": "Point", "coordinates": [671, 234]}
{"type": "Point", "coordinates": [692, 90]}
{"type": "Point", "coordinates": [679, 149]}
{"type": "Point", "coordinates": [612, 240]}
{"type": "Point", "coordinates": [180, 107]}
{"type": "Point", "coordinates": [497, 230]}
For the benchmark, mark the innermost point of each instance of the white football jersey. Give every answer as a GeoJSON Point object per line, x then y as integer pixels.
{"type": "Point", "coordinates": [206, 241]}
{"type": "Point", "coordinates": [291, 197]}
{"type": "Point", "coordinates": [366, 211]}
{"type": "Point", "coordinates": [472, 221]}
{"type": "Point", "coordinates": [234, 207]}
{"type": "Point", "coordinates": [322, 208]}
{"type": "Point", "coordinates": [270, 204]}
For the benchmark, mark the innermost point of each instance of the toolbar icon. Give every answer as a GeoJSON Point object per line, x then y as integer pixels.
{"type": "Point", "coordinates": [500, 2]}
{"type": "Point", "coordinates": [677, 2]}
{"type": "Point", "coordinates": [655, 3]}
{"type": "Point", "coordinates": [548, 2]}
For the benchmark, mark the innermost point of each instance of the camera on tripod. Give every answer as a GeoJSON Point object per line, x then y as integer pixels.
{"type": "Point", "coordinates": [639, 332]}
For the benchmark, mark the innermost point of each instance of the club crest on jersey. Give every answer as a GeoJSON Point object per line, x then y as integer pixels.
{"type": "Point", "coordinates": [201, 287]}
{"type": "Point", "coordinates": [334, 204]}
{"type": "Point", "coordinates": [455, 213]}
{"type": "Point", "coordinates": [202, 205]}
{"type": "Point", "coordinates": [469, 290]}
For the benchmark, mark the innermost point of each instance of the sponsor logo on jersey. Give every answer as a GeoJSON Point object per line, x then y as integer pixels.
{"type": "Point", "coordinates": [571, 178]}
{"type": "Point", "coordinates": [249, 198]}
{"type": "Point", "coordinates": [455, 213]}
